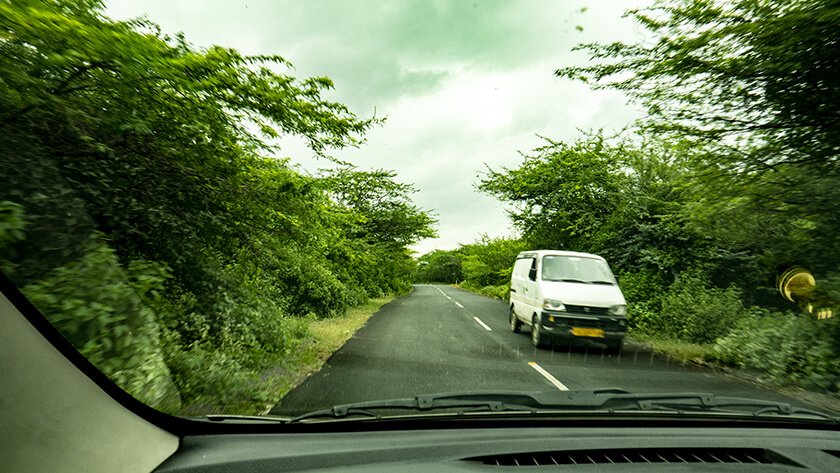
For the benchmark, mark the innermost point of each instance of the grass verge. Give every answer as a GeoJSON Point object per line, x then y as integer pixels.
{"type": "Point", "coordinates": [676, 349]}
{"type": "Point", "coordinates": [325, 337]}
{"type": "Point", "coordinates": [496, 292]}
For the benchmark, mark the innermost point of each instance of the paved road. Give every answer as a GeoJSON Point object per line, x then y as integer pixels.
{"type": "Point", "coordinates": [440, 338]}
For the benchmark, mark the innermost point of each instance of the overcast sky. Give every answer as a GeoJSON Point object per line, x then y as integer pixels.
{"type": "Point", "coordinates": [462, 84]}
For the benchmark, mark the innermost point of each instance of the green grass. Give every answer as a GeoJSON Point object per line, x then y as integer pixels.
{"type": "Point", "coordinates": [677, 349]}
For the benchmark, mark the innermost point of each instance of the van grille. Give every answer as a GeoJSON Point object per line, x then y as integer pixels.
{"type": "Point", "coordinates": [658, 455]}
{"type": "Point", "coordinates": [582, 309]}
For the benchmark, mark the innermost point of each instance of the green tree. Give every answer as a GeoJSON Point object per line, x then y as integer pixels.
{"type": "Point", "coordinates": [160, 150]}
{"type": "Point", "coordinates": [753, 87]}
{"type": "Point", "coordinates": [439, 266]}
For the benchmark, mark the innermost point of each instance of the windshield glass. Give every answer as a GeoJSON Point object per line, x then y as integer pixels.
{"type": "Point", "coordinates": [275, 207]}
{"type": "Point", "coordinates": [559, 268]}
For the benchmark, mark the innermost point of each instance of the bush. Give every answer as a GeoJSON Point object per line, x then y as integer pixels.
{"type": "Point", "coordinates": [497, 292]}
{"type": "Point", "coordinates": [208, 376]}
{"type": "Point", "coordinates": [643, 291]}
{"type": "Point", "coordinates": [103, 309]}
{"type": "Point", "coordinates": [790, 349]}
{"type": "Point", "coordinates": [695, 312]}
{"type": "Point", "coordinates": [690, 309]}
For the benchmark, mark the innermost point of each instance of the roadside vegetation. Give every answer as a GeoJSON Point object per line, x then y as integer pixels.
{"type": "Point", "coordinates": [324, 337]}
{"type": "Point", "coordinates": [143, 212]}
{"type": "Point", "coordinates": [730, 178]}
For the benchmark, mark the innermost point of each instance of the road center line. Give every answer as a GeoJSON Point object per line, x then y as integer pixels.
{"type": "Point", "coordinates": [459, 305]}
{"type": "Point", "coordinates": [483, 324]}
{"type": "Point", "coordinates": [551, 379]}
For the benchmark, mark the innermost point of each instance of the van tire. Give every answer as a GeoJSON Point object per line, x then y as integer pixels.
{"type": "Point", "coordinates": [536, 336]}
{"type": "Point", "coordinates": [515, 324]}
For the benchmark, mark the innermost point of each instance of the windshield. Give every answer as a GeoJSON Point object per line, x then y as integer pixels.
{"type": "Point", "coordinates": [574, 268]}
{"type": "Point", "coordinates": [270, 208]}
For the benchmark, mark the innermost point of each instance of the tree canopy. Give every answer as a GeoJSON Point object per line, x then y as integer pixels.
{"type": "Point", "coordinates": [144, 189]}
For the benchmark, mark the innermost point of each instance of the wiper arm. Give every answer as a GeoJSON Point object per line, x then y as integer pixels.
{"type": "Point", "coordinates": [494, 401]}
{"type": "Point", "coordinates": [710, 402]}
{"type": "Point", "coordinates": [571, 280]}
{"type": "Point", "coordinates": [608, 283]}
{"type": "Point", "coordinates": [608, 399]}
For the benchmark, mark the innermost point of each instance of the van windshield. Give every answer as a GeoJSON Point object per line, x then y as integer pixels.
{"type": "Point", "coordinates": [576, 269]}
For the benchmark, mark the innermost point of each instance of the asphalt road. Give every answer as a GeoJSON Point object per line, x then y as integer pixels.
{"type": "Point", "coordinates": [440, 338]}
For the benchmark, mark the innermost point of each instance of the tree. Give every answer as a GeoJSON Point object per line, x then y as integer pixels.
{"type": "Point", "coordinates": [439, 266]}
{"type": "Point", "coordinates": [134, 155]}
{"type": "Point", "coordinates": [753, 88]}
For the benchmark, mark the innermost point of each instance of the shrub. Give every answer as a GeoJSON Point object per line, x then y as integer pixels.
{"type": "Point", "coordinates": [695, 312]}
{"type": "Point", "coordinates": [497, 292]}
{"type": "Point", "coordinates": [643, 291]}
{"type": "Point", "coordinates": [209, 376]}
{"type": "Point", "coordinates": [101, 307]}
{"type": "Point", "coordinates": [788, 348]}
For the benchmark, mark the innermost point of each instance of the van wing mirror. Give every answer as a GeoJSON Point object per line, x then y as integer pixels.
{"type": "Point", "coordinates": [532, 274]}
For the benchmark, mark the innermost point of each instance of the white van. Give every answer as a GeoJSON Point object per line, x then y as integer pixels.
{"type": "Point", "coordinates": [567, 298]}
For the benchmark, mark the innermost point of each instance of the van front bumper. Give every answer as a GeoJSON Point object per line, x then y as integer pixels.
{"type": "Point", "coordinates": [563, 325]}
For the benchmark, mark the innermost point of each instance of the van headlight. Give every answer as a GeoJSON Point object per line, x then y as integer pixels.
{"type": "Point", "coordinates": [620, 310]}
{"type": "Point", "coordinates": [553, 304]}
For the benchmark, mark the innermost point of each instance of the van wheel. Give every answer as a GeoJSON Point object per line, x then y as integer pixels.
{"type": "Point", "coordinates": [536, 337]}
{"type": "Point", "coordinates": [514, 322]}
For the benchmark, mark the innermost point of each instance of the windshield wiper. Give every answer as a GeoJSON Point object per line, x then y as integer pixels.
{"type": "Point", "coordinates": [571, 280]}
{"type": "Point", "coordinates": [242, 418]}
{"type": "Point", "coordinates": [494, 401]}
{"type": "Point", "coordinates": [609, 283]}
{"type": "Point", "coordinates": [608, 399]}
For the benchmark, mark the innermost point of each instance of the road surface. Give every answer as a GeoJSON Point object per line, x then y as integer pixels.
{"type": "Point", "coordinates": [440, 338]}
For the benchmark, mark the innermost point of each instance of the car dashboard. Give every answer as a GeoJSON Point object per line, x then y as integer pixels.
{"type": "Point", "coordinates": [514, 449]}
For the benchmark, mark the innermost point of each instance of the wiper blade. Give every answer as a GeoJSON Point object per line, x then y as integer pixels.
{"type": "Point", "coordinates": [242, 418]}
{"type": "Point", "coordinates": [494, 401]}
{"type": "Point", "coordinates": [710, 402]}
{"type": "Point", "coordinates": [571, 280]}
{"type": "Point", "coordinates": [608, 283]}
{"type": "Point", "coordinates": [608, 399]}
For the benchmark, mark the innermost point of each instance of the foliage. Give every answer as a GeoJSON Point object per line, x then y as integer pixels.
{"type": "Point", "coordinates": [790, 349]}
{"type": "Point", "coordinates": [489, 261]}
{"type": "Point", "coordinates": [752, 86]}
{"type": "Point", "coordinates": [483, 266]}
{"type": "Point", "coordinates": [158, 148]}
{"type": "Point", "coordinates": [439, 266]}
{"type": "Point", "coordinates": [617, 199]}
{"type": "Point", "coordinates": [501, 291]}
{"type": "Point", "coordinates": [104, 309]}
{"type": "Point", "coordinates": [644, 291]}
{"type": "Point", "coordinates": [695, 312]}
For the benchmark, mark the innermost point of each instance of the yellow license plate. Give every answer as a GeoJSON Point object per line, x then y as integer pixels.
{"type": "Point", "coordinates": [587, 332]}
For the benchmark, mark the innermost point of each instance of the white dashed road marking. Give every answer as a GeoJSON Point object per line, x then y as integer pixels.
{"type": "Point", "coordinates": [483, 324]}
{"type": "Point", "coordinates": [551, 379]}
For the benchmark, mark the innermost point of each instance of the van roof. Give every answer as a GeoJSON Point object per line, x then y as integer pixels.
{"type": "Point", "coordinates": [541, 253]}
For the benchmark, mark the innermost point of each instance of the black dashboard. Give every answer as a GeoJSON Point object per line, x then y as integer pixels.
{"type": "Point", "coordinates": [514, 449]}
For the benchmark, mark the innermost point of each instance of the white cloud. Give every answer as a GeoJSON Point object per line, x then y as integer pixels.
{"type": "Point", "coordinates": [471, 113]}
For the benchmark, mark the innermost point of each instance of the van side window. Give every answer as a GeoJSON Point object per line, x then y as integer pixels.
{"type": "Point", "coordinates": [520, 269]}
